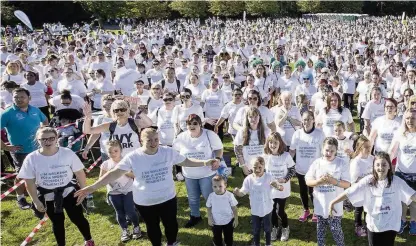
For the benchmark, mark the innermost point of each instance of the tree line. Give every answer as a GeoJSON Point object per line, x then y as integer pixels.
{"type": "Point", "coordinates": [68, 12]}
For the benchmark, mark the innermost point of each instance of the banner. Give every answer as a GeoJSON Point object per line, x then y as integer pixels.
{"type": "Point", "coordinates": [23, 18]}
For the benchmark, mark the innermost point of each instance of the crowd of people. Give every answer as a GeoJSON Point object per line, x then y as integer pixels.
{"type": "Point", "coordinates": [162, 96]}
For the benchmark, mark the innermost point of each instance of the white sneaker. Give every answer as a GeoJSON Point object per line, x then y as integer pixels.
{"type": "Point", "coordinates": [275, 232]}
{"type": "Point", "coordinates": [125, 235]}
{"type": "Point", "coordinates": [180, 177]}
{"type": "Point", "coordinates": [285, 234]}
{"type": "Point", "coordinates": [136, 233]}
{"type": "Point", "coordinates": [174, 244]}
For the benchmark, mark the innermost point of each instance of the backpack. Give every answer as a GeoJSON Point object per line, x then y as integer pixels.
{"type": "Point", "coordinates": [178, 84]}
{"type": "Point", "coordinates": [132, 124]}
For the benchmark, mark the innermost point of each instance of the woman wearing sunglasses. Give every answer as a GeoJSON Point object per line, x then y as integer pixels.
{"type": "Point", "coordinates": [182, 111]}
{"type": "Point", "coordinates": [40, 170]}
{"type": "Point", "coordinates": [125, 130]}
{"type": "Point", "coordinates": [200, 144]}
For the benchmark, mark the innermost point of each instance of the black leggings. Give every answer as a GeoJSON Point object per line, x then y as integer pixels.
{"type": "Point", "coordinates": [220, 129]}
{"type": "Point", "coordinates": [358, 216]}
{"type": "Point", "coordinates": [280, 202]}
{"type": "Point", "coordinates": [74, 213]}
{"type": "Point", "coordinates": [303, 190]}
{"type": "Point", "coordinates": [152, 215]}
{"type": "Point", "coordinates": [45, 111]}
{"type": "Point", "coordinates": [385, 238]}
{"type": "Point", "coordinates": [348, 101]}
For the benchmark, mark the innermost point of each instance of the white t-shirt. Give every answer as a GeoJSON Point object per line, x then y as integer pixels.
{"type": "Point", "coordinates": [214, 103]}
{"type": "Point", "coordinates": [406, 152]}
{"type": "Point", "coordinates": [106, 66]}
{"type": "Point", "coordinates": [180, 114]}
{"type": "Point", "coordinates": [363, 89]}
{"type": "Point", "coordinates": [324, 194]}
{"type": "Point", "coordinates": [308, 148]}
{"type": "Point", "coordinates": [153, 183]}
{"type": "Point", "coordinates": [253, 149]}
{"type": "Point", "coordinates": [51, 172]}
{"type": "Point", "coordinates": [153, 104]}
{"type": "Point", "coordinates": [277, 166]}
{"type": "Point", "coordinates": [385, 132]}
{"type": "Point", "coordinates": [6, 99]}
{"type": "Point", "coordinates": [287, 84]}
{"type": "Point", "coordinates": [328, 119]}
{"type": "Point", "coordinates": [18, 78]}
{"type": "Point", "coordinates": [105, 86]}
{"type": "Point", "coordinates": [124, 80]}
{"type": "Point", "coordinates": [287, 129]}
{"type": "Point", "coordinates": [37, 94]}
{"type": "Point", "coordinates": [104, 136]}
{"type": "Point", "coordinates": [221, 207]}
{"type": "Point", "coordinates": [76, 103]}
{"type": "Point", "coordinates": [348, 83]}
{"type": "Point", "coordinates": [229, 112]}
{"type": "Point", "coordinates": [266, 114]}
{"type": "Point", "coordinates": [162, 118]}
{"type": "Point", "coordinates": [373, 110]}
{"type": "Point", "coordinates": [76, 87]}
{"type": "Point", "coordinates": [128, 139]}
{"type": "Point", "coordinates": [382, 204]}
{"type": "Point", "coordinates": [260, 192]}
{"type": "Point", "coordinates": [143, 97]}
{"type": "Point", "coordinates": [200, 148]}
{"type": "Point", "coordinates": [343, 145]}
{"type": "Point", "coordinates": [360, 167]}
{"type": "Point", "coordinates": [197, 91]}
{"type": "Point", "coordinates": [122, 185]}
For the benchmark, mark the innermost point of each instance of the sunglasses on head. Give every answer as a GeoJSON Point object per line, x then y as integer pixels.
{"type": "Point", "coordinates": [119, 110]}
{"type": "Point", "coordinates": [185, 96]}
{"type": "Point", "coordinates": [167, 99]}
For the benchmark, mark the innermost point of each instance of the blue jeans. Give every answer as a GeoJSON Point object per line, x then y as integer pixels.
{"type": "Point", "coordinates": [124, 205]}
{"type": "Point", "coordinates": [196, 187]}
{"type": "Point", "coordinates": [266, 221]}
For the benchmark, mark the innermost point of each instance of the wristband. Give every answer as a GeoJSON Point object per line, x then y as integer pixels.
{"type": "Point", "coordinates": [337, 182]}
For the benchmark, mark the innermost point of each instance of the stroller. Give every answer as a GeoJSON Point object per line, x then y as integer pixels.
{"type": "Point", "coordinates": [65, 121]}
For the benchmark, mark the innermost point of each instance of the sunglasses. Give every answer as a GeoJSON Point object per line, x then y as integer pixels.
{"type": "Point", "coordinates": [192, 123]}
{"type": "Point", "coordinates": [119, 110]}
{"type": "Point", "coordinates": [66, 104]}
{"type": "Point", "coordinates": [305, 78]}
{"type": "Point", "coordinates": [253, 98]}
{"type": "Point", "coordinates": [225, 77]}
{"type": "Point", "coordinates": [167, 99]}
{"type": "Point", "coordinates": [185, 96]}
{"type": "Point", "coordinates": [47, 139]}
{"type": "Point", "coordinates": [325, 72]}
{"type": "Point", "coordinates": [237, 94]}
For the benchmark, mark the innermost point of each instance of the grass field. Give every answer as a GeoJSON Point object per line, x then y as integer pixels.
{"type": "Point", "coordinates": [17, 224]}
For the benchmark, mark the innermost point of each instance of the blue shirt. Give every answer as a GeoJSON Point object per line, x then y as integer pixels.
{"type": "Point", "coordinates": [21, 126]}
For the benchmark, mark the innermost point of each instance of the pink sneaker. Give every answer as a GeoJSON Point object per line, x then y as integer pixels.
{"type": "Point", "coordinates": [360, 231]}
{"type": "Point", "coordinates": [89, 243]}
{"type": "Point", "coordinates": [314, 218]}
{"type": "Point", "coordinates": [305, 216]}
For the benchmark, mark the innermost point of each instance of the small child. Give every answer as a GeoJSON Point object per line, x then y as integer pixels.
{"type": "Point", "coordinates": [66, 133]}
{"type": "Point", "coordinates": [361, 165]}
{"type": "Point", "coordinates": [281, 166]}
{"type": "Point", "coordinates": [329, 175]}
{"type": "Point", "coordinates": [120, 193]}
{"type": "Point", "coordinates": [345, 143]}
{"type": "Point", "coordinates": [222, 212]}
{"type": "Point", "coordinates": [259, 186]}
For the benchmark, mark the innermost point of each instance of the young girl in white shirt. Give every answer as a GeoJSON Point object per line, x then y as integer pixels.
{"type": "Point", "coordinates": [222, 211]}
{"type": "Point", "coordinates": [344, 142]}
{"type": "Point", "coordinates": [329, 175]}
{"type": "Point", "coordinates": [259, 186]}
{"type": "Point", "coordinates": [361, 165]}
{"type": "Point", "coordinates": [120, 193]}
{"type": "Point", "coordinates": [381, 195]}
{"type": "Point", "coordinates": [281, 166]}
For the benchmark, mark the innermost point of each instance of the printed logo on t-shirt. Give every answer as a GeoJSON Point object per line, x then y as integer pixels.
{"type": "Point", "coordinates": [20, 116]}
{"type": "Point", "coordinates": [124, 139]}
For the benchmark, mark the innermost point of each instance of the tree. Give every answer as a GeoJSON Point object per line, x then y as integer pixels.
{"type": "Point", "coordinates": [7, 11]}
{"type": "Point", "coordinates": [226, 8]}
{"type": "Point", "coordinates": [104, 9]}
{"type": "Point", "coordinates": [147, 10]}
{"type": "Point", "coordinates": [315, 6]}
{"type": "Point", "coordinates": [262, 8]}
{"type": "Point", "coordinates": [307, 6]}
{"type": "Point", "coordinates": [191, 9]}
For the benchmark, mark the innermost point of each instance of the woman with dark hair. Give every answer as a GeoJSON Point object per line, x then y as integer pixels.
{"type": "Point", "coordinates": [334, 112]}
{"type": "Point", "coordinates": [199, 143]}
{"type": "Point", "coordinates": [181, 112]}
{"type": "Point", "coordinates": [250, 139]}
{"type": "Point", "coordinates": [99, 87]}
{"type": "Point", "coordinates": [381, 194]}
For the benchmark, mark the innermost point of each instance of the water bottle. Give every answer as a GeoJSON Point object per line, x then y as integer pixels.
{"type": "Point", "coordinates": [90, 201]}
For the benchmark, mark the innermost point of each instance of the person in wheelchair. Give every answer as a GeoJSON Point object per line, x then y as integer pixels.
{"type": "Point", "coordinates": [67, 132]}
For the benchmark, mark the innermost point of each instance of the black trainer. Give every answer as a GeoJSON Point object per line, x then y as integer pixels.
{"type": "Point", "coordinates": [23, 204]}
{"type": "Point", "coordinates": [193, 221]}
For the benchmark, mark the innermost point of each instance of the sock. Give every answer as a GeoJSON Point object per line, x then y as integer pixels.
{"type": "Point", "coordinates": [20, 196]}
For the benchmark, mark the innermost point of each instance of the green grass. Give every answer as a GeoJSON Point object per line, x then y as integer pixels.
{"type": "Point", "coordinates": [17, 224]}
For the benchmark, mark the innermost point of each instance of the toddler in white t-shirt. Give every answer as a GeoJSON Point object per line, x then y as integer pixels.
{"type": "Point", "coordinates": [259, 186]}
{"type": "Point", "coordinates": [222, 211]}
